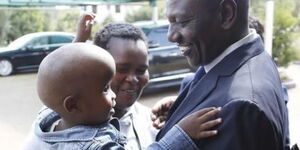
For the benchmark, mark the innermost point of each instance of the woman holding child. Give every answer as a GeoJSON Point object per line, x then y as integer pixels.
{"type": "Point", "coordinates": [128, 47]}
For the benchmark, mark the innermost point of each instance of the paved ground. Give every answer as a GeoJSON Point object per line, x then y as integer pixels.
{"type": "Point", "coordinates": [19, 105]}
{"type": "Point", "coordinates": [294, 104]}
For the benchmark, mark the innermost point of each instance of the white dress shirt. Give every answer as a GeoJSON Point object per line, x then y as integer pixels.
{"type": "Point", "coordinates": [136, 125]}
{"type": "Point", "coordinates": [249, 38]}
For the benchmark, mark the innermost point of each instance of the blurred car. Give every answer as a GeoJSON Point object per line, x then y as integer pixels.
{"type": "Point", "coordinates": [167, 66]}
{"type": "Point", "coordinates": [28, 51]}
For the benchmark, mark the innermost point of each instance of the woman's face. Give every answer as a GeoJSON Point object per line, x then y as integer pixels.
{"type": "Point", "coordinates": [131, 70]}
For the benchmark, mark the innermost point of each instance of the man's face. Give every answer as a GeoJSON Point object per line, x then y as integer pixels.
{"type": "Point", "coordinates": [195, 28]}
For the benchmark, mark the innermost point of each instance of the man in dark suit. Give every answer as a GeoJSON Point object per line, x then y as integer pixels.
{"type": "Point", "coordinates": [234, 73]}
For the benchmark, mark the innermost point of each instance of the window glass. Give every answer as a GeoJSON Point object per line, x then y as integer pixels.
{"type": "Point", "coordinates": [57, 39]}
{"type": "Point", "coordinates": [39, 41]}
{"type": "Point", "coordinates": [159, 36]}
{"type": "Point", "coordinates": [118, 9]}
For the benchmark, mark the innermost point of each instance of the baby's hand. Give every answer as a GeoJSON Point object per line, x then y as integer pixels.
{"type": "Point", "coordinates": [197, 125]}
{"type": "Point", "coordinates": [84, 27]}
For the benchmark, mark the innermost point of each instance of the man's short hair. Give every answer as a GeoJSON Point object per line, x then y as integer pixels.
{"type": "Point", "coordinates": [118, 30]}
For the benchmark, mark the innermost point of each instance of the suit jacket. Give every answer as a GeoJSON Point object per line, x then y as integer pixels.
{"type": "Point", "coordinates": [246, 85]}
{"type": "Point", "coordinates": [185, 81]}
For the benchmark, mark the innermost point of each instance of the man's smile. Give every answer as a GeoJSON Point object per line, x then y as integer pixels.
{"type": "Point", "coordinates": [185, 50]}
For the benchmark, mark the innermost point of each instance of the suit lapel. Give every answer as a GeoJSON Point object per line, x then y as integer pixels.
{"type": "Point", "coordinates": [179, 99]}
{"type": "Point", "coordinates": [191, 98]}
{"type": "Point", "coordinates": [194, 97]}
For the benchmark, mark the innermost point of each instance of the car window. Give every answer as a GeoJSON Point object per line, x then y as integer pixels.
{"type": "Point", "coordinates": [159, 35]}
{"type": "Point", "coordinates": [146, 30]}
{"type": "Point", "coordinates": [57, 39]}
{"type": "Point", "coordinates": [21, 41]}
{"type": "Point", "coordinates": [38, 42]}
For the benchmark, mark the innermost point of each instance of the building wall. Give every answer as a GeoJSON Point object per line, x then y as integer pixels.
{"type": "Point", "coordinates": [117, 12]}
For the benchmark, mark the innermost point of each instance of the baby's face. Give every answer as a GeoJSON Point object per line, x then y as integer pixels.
{"type": "Point", "coordinates": [97, 102]}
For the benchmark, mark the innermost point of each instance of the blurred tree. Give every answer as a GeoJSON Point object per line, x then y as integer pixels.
{"type": "Point", "coordinates": [108, 19]}
{"type": "Point", "coordinates": [67, 21]}
{"type": "Point", "coordinates": [49, 22]}
{"type": "Point", "coordinates": [257, 9]}
{"type": "Point", "coordinates": [22, 22]}
{"type": "Point", "coordinates": [4, 17]}
{"type": "Point", "coordinates": [145, 13]}
{"type": "Point", "coordinates": [98, 26]}
{"type": "Point", "coordinates": [284, 26]}
{"type": "Point", "coordinates": [296, 11]}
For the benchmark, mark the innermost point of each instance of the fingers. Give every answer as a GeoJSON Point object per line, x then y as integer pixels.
{"type": "Point", "coordinates": [163, 103]}
{"type": "Point", "coordinates": [206, 134]}
{"type": "Point", "coordinates": [160, 110]}
{"type": "Point", "coordinates": [87, 17]}
{"type": "Point", "coordinates": [204, 111]}
{"type": "Point", "coordinates": [84, 27]}
{"type": "Point", "coordinates": [197, 125]}
{"type": "Point", "coordinates": [210, 124]}
{"type": "Point", "coordinates": [160, 115]}
{"type": "Point", "coordinates": [204, 131]}
{"type": "Point", "coordinates": [89, 26]}
{"type": "Point", "coordinates": [89, 21]}
{"type": "Point", "coordinates": [86, 21]}
{"type": "Point", "coordinates": [210, 115]}
{"type": "Point", "coordinates": [153, 117]}
{"type": "Point", "coordinates": [155, 109]}
{"type": "Point", "coordinates": [159, 122]}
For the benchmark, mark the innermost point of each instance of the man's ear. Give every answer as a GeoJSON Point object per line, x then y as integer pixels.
{"type": "Point", "coordinates": [70, 104]}
{"type": "Point", "coordinates": [228, 13]}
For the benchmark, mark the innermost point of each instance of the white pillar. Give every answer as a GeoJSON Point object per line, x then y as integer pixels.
{"type": "Point", "coordinates": [154, 13]}
{"type": "Point", "coordinates": [269, 26]}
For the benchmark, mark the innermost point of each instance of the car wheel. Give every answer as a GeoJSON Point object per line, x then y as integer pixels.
{"type": "Point", "coordinates": [6, 67]}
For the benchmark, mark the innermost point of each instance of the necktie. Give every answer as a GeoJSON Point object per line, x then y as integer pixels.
{"type": "Point", "coordinates": [198, 75]}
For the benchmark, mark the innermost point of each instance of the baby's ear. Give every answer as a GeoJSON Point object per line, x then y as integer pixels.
{"type": "Point", "coordinates": [70, 104]}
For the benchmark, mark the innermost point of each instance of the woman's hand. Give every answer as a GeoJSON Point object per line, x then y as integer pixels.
{"type": "Point", "coordinates": [160, 111]}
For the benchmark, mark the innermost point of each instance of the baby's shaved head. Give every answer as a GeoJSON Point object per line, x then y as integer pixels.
{"type": "Point", "coordinates": [70, 69]}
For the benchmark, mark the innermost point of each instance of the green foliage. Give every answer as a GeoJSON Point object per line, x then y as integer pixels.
{"type": "Point", "coordinates": [297, 45]}
{"type": "Point", "coordinates": [3, 26]}
{"type": "Point", "coordinates": [108, 19]}
{"type": "Point", "coordinates": [145, 13]}
{"type": "Point", "coordinates": [296, 11]}
{"type": "Point", "coordinates": [257, 9]}
{"type": "Point", "coordinates": [98, 26]}
{"type": "Point", "coordinates": [67, 21]}
{"type": "Point", "coordinates": [284, 26]}
{"type": "Point", "coordinates": [18, 22]}
{"type": "Point", "coordinates": [23, 22]}
{"type": "Point", "coordinates": [48, 22]}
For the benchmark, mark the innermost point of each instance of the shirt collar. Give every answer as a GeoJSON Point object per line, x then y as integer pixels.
{"type": "Point", "coordinates": [249, 38]}
{"type": "Point", "coordinates": [127, 118]}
